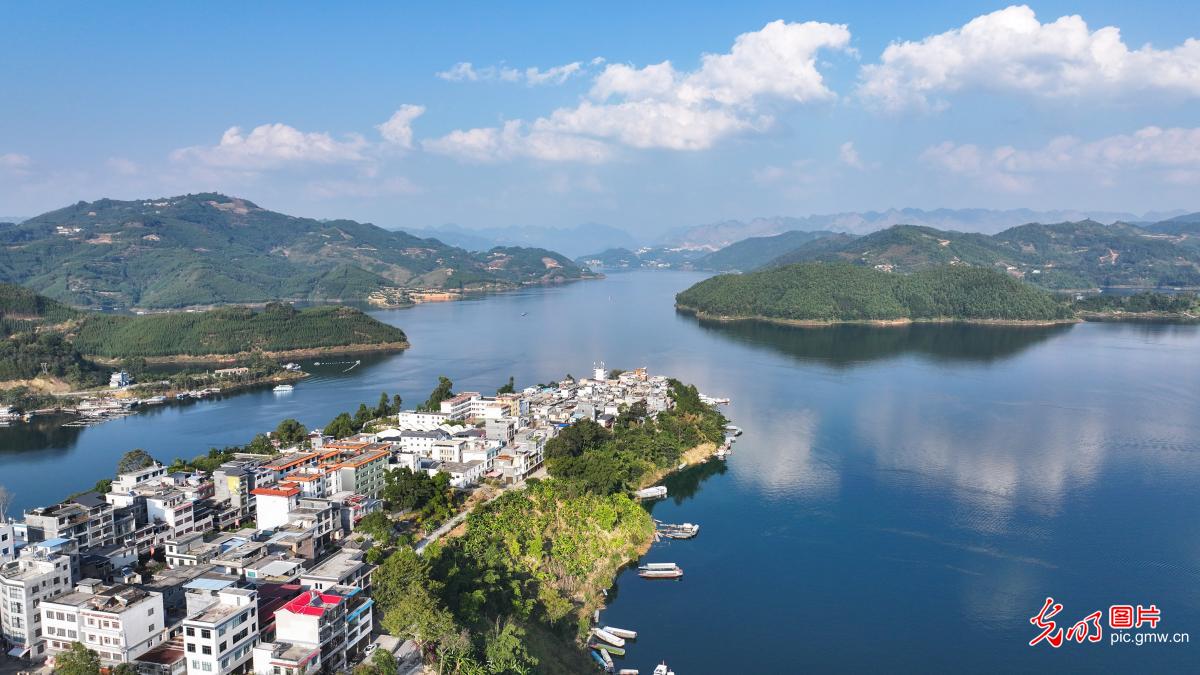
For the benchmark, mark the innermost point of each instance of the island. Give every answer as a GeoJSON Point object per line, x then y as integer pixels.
{"type": "Point", "coordinates": [52, 354]}
{"type": "Point", "coordinates": [828, 293]}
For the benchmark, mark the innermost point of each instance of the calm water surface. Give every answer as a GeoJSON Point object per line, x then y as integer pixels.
{"type": "Point", "coordinates": [902, 499]}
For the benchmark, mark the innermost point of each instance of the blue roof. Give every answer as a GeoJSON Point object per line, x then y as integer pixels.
{"type": "Point", "coordinates": [55, 542]}
{"type": "Point", "coordinates": [203, 584]}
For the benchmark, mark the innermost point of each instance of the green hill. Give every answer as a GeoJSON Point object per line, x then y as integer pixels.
{"type": "Point", "coordinates": [1078, 255]}
{"type": "Point", "coordinates": [755, 252]}
{"type": "Point", "coordinates": [839, 292]}
{"type": "Point", "coordinates": [612, 258]}
{"type": "Point", "coordinates": [212, 249]}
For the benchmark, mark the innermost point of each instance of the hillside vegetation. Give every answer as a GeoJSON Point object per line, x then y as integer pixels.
{"type": "Point", "coordinates": [1078, 255]}
{"type": "Point", "coordinates": [755, 252]}
{"type": "Point", "coordinates": [212, 249]}
{"type": "Point", "coordinates": [230, 330]}
{"type": "Point", "coordinates": [836, 292]}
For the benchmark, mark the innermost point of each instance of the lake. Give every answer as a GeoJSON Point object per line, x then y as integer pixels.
{"type": "Point", "coordinates": [903, 499]}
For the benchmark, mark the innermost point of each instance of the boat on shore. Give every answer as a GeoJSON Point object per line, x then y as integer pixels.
{"type": "Point", "coordinates": [656, 492]}
{"type": "Point", "coordinates": [154, 400]}
{"type": "Point", "coordinates": [614, 651]}
{"type": "Point", "coordinates": [608, 637]}
{"type": "Point", "coordinates": [600, 660]}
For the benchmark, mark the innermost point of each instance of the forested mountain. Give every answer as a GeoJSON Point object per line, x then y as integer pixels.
{"type": "Point", "coordinates": [212, 249]}
{"type": "Point", "coordinates": [652, 257]}
{"type": "Point", "coordinates": [833, 292]}
{"type": "Point", "coordinates": [1079, 255]}
{"type": "Point", "coordinates": [39, 330]}
{"type": "Point", "coordinates": [755, 252]}
{"type": "Point", "coordinates": [613, 258]}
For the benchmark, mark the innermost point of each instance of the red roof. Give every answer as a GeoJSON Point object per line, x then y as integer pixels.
{"type": "Point", "coordinates": [312, 603]}
{"type": "Point", "coordinates": [290, 491]}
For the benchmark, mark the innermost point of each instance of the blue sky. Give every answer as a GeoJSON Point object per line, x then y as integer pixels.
{"type": "Point", "coordinates": [608, 113]}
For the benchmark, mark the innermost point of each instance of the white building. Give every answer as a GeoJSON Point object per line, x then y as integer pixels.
{"type": "Point", "coordinates": [219, 637]}
{"type": "Point", "coordinates": [317, 631]}
{"type": "Point", "coordinates": [118, 622]}
{"type": "Point", "coordinates": [420, 421]}
{"type": "Point", "coordinates": [272, 505]}
{"type": "Point", "coordinates": [24, 583]}
{"type": "Point", "coordinates": [458, 407]}
{"type": "Point", "coordinates": [8, 542]}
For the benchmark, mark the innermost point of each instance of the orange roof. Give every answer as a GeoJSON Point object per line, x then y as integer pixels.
{"type": "Point", "coordinates": [284, 463]}
{"type": "Point", "coordinates": [347, 445]}
{"type": "Point", "coordinates": [364, 458]}
{"type": "Point", "coordinates": [291, 491]}
{"type": "Point", "coordinates": [302, 477]}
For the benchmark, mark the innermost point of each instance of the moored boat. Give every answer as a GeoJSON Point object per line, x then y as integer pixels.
{"type": "Point", "coordinates": [608, 637]}
{"type": "Point", "coordinates": [622, 632]}
{"type": "Point", "coordinates": [615, 651]}
{"type": "Point", "coordinates": [656, 492]}
{"type": "Point", "coordinates": [283, 387]}
{"type": "Point", "coordinates": [681, 531]}
{"type": "Point", "coordinates": [596, 655]}
{"type": "Point", "coordinates": [661, 574]}
{"type": "Point", "coordinates": [662, 669]}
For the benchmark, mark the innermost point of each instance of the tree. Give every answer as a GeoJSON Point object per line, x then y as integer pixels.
{"type": "Point", "coordinates": [6, 498]}
{"type": "Point", "coordinates": [382, 663]}
{"type": "Point", "coordinates": [443, 391]}
{"type": "Point", "coordinates": [397, 403]}
{"type": "Point", "coordinates": [341, 426]}
{"type": "Point", "coordinates": [508, 388]}
{"type": "Point", "coordinates": [123, 669]}
{"type": "Point", "coordinates": [504, 649]}
{"type": "Point", "coordinates": [259, 445]}
{"type": "Point", "coordinates": [77, 660]}
{"type": "Point", "coordinates": [384, 407]}
{"type": "Point", "coordinates": [290, 432]}
{"type": "Point", "coordinates": [362, 416]}
{"type": "Point", "coordinates": [134, 460]}
{"type": "Point", "coordinates": [377, 526]}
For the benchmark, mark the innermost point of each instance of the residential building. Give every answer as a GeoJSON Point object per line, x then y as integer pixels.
{"type": "Point", "coordinates": [219, 636]}
{"type": "Point", "coordinates": [344, 568]}
{"type": "Point", "coordinates": [458, 407]}
{"type": "Point", "coordinates": [118, 622]}
{"type": "Point", "coordinates": [317, 631]}
{"type": "Point", "coordinates": [35, 575]}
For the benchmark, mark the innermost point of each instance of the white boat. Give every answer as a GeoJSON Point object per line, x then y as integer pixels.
{"type": "Point", "coordinates": [621, 632]}
{"type": "Point", "coordinates": [608, 637]}
{"type": "Point", "coordinates": [291, 366]}
{"type": "Point", "coordinates": [661, 669]}
{"type": "Point", "coordinates": [627, 671]}
{"type": "Point", "coordinates": [736, 431]}
{"type": "Point", "coordinates": [656, 492]}
{"type": "Point", "coordinates": [283, 387]}
{"type": "Point", "coordinates": [659, 566]}
{"type": "Point", "coordinates": [154, 400]}
{"type": "Point", "coordinates": [608, 662]}
{"type": "Point", "coordinates": [681, 531]}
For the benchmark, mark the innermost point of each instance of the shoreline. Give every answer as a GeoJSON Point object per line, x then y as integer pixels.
{"type": "Point", "coordinates": [299, 353]}
{"type": "Point", "coordinates": [876, 323]}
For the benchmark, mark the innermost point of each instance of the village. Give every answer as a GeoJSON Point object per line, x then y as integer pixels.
{"type": "Point", "coordinates": [258, 566]}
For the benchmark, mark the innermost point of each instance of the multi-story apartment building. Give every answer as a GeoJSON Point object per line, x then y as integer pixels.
{"type": "Point", "coordinates": [89, 522]}
{"type": "Point", "coordinates": [8, 542]}
{"type": "Point", "coordinates": [316, 632]}
{"type": "Point", "coordinates": [363, 473]}
{"type": "Point", "coordinates": [342, 569]}
{"type": "Point", "coordinates": [25, 582]}
{"type": "Point", "coordinates": [458, 407]}
{"type": "Point", "coordinates": [118, 622]}
{"type": "Point", "coordinates": [219, 636]}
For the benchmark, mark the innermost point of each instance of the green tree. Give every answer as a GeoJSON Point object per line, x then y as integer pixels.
{"type": "Point", "coordinates": [134, 460]}
{"type": "Point", "coordinates": [384, 406]}
{"type": "Point", "coordinates": [443, 391]}
{"type": "Point", "coordinates": [260, 445]}
{"type": "Point", "coordinates": [508, 387]}
{"type": "Point", "coordinates": [123, 669]}
{"type": "Point", "coordinates": [341, 426]}
{"type": "Point", "coordinates": [290, 432]}
{"type": "Point", "coordinates": [397, 403]}
{"type": "Point", "coordinates": [382, 662]}
{"type": "Point", "coordinates": [77, 660]}
{"type": "Point", "coordinates": [504, 649]}
{"type": "Point", "coordinates": [379, 527]}
{"type": "Point", "coordinates": [362, 416]}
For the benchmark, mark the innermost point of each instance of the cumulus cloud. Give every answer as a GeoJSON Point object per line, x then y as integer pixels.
{"type": "Point", "coordinates": [1010, 50]}
{"type": "Point", "coordinates": [848, 155]}
{"type": "Point", "coordinates": [1174, 153]}
{"type": "Point", "coordinates": [274, 145]}
{"type": "Point", "coordinates": [658, 106]}
{"type": "Point", "coordinates": [533, 76]}
{"type": "Point", "coordinates": [398, 129]}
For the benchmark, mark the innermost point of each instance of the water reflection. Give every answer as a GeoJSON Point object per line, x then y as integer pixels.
{"type": "Point", "coordinates": [849, 345]}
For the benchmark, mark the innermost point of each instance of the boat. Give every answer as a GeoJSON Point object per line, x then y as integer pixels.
{"type": "Point", "coordinates": [622, 632]}
{"type": "Point", "coordinates": [294, 367]}
{"type": "Point", "coordinates": [283, 387]}
{"type": "Point", "coordinates": [614, 651]}
{"type": "Point", "coordinates": [658, 566]}
{"type": "Point", "coordinates": [656, 492]}
{"type": "Point", "coordinates": [627, 671]}
{"type": "Point", "coordinates": [608, 637]}
{"type": "Point", "coordinates": [600, 660]}
{"type": "Point", "coordinates": [661, 574]}
{"type": "Point", "coordinates": [524, 313]}
{"type": "Point", "coordinates": [681, 531]}
{"type": "Point", "coordinates": [662, 669]}
{"type": "Point", "coordinates": [608, 662]}
{"type": "Point", "coordinates": [736, 431]}
{"type": "Point", "coordinates": [154, 400]}
{"type": "Point", "coordinates": [182, 396]}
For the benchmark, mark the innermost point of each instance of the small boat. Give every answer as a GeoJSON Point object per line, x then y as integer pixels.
{"type": "Point", "coordinates": [291, 366]}
{"type": "Point", "coordinates": [614, 651]}
{"type": "Point", "coordinates": [600, 660]}
{"type": "Point", "coordinates": [622, 632]}
{"type": "Point", "coordinates": [608, 637]}
{"type": "Point", "coordinates": [736, 431]}
{"type": "Point", "coordinates": [627, 671]}
{"type": "Point", "coordinates": [661, 574]}
{"type": "Point", "coordinates": [656, 492]}
{"type": "Point", "coordinates": [681, 531]}
{"type": "Point", "coordinates": [662, 669]}
{"type": "Point", "coordinates": [659, 566]}
{"type": "Point", "coordinates": [182, 396]}
{"type": "Point", "coordinates": [283, 388]}
{"type": "Point", "coordinates": [608, 662]}
{"type": "Point", "coordinates": [154, 400]}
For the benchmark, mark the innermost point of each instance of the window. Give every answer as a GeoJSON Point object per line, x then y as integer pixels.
{"type": "Point", "coordinates": [150, 612]}
{"type": "Point", "coordinates": [206, 633]}
{"type": "Point", "coordinates": [205, 649]}
{"type": "Point", "coordinates": [191, 632]}
{"type": "Point", "coordinates": [191, 647]}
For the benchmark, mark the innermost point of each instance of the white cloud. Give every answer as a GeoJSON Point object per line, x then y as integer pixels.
{"type": "Point", "coordinates": [514, 140]}
{"type": "Point", "coordinates": [398, 129]}
{"type": "Point", "coordinates": [657, 106]}
{"type": "Point", "coordinates": [533, 76]}
{"type": "Point", "coordinates": [123, 166]}
{"type": "Point", "coordinates": [14, 163]}
{"type": "Point", "coordinates": [1172, 153]}
{"type": "Point", "coordinates": [274, 145]}
{"type": "Point", "coordinates": [848, 155]}
{"type": "Point", "coordinates": [1010, 50]}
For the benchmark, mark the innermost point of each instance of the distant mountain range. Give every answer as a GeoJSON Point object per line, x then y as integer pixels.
{"type": "Point", "coordinates": [571, 241]}
{"type": "Point", "coordinates": [212, 249]}
{"type": "Point", "coordinates": [714, 236]}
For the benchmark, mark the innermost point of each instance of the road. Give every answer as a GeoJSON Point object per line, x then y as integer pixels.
{"type": "Point", "coordinates": [456, 520]}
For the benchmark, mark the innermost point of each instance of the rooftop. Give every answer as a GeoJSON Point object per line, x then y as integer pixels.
{"type": "Point", "coordinates": [312, 603]}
